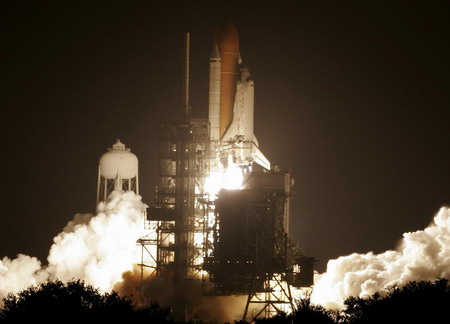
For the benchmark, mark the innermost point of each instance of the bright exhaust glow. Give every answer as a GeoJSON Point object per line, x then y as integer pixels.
{"type": "Point", "coordinates": [221, 177]}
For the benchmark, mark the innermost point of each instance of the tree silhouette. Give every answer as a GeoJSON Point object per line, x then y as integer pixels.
{"type": "Point", "coordinates": [310, 313]}
{"type": "Point", "coordinates": [55, 301]}
{"type": "Point", "coordinates": [74, 301]}
{"type": "Point", "coordinates": [305, 313]}
{"type": "Point", "coordinates": [416, 302]}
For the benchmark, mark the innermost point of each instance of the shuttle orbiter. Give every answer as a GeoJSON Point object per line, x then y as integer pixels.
{"type": "Point", "coordinates": [231, 100]}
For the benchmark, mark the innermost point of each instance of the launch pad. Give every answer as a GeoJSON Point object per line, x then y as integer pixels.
{"type": "Point", "coordinates": [252, 254]}
{"type": "Point", "coordinates": [221, 211]}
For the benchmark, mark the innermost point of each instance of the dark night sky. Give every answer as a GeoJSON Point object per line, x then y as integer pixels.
{"type": "Point", "coordinates": [353, 96]}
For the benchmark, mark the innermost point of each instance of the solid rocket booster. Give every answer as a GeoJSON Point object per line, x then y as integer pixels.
{"type": "Point", "coordinates": [231, 97]}
{"type": "Point", "coordinates": [214, 93]}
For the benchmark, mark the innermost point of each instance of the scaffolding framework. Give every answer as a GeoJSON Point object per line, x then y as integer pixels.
{"type": "Point", "coordinates": [173, 249]}
{"type": "Point", "coordinates": [237, 242]}
{"type": "Point", "coordinates": [252, 254]}
{"type": "Point", "coordinates": [273, 297]}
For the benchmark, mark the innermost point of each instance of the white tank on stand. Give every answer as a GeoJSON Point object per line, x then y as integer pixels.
{"type": "Point", "coordinates": [117, 171]}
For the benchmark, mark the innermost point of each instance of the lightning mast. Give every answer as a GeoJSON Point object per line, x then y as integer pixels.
{"type": "Point", "coordinates": [176, 216]}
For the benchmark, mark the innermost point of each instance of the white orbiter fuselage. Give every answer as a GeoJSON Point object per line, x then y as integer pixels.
{"type": "Point", "coordinates": [231, 101]}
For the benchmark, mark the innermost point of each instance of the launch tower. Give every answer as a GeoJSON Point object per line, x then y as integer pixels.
{"type": "Point", "coordinates": [221, 212]}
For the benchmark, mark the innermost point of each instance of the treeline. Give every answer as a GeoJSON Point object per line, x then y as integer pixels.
{"type": "Point", "coordinates": [416, 302]}
{"type": "Point", "coordinates": [55, 301]}
{"type": "Point", "coordinates": [76, 302]}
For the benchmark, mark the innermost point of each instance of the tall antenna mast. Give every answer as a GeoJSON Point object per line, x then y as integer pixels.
{"type": "Point", "coordinates": [187, 107]}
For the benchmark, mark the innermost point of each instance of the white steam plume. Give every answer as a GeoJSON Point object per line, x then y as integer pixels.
{"type": "Point", "coordinates": [19, 273]}
{"type": "Point", "coordinates": [422, 255]}
{"type": "Point", "coordinates": [96, 249]}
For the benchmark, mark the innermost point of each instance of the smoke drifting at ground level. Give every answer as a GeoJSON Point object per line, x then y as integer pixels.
{"type": "Point", "coordinates": [96, 249]}
{"type": "Point", "coordinates": [421, 255]}
{"type": "Point", "coordinates": [101, 250]}
{"type": "Point", "coordinates": [187, 295]}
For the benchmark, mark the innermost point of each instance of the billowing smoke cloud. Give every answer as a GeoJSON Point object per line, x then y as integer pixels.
{"type": "Point", "coordinates": [96, 249]}
{"type": "Point", "coordinates": [101, 250]}
{"type": "Point", "coordinates": [19, 273]}
{"type": "Point", "coordinates": [183, 294]}
{"type": "Point", "coordinates": [422, 255]}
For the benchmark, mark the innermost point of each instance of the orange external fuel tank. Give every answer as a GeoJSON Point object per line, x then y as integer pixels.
{"type": "Point", "coordinates": [228, 44]}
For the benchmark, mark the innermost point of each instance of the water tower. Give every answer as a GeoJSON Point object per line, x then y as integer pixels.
{"type": "Point", "coordinates": [117, 171]}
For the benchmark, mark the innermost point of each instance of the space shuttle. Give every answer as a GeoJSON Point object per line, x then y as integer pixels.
{"type": "Point", "coordinates": [231, 100]}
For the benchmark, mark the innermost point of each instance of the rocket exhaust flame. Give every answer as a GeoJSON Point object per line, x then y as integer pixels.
{"type": "Point", "coordinates": [221, 177]}
{"type": "Point", "coordinates": [422, 255]}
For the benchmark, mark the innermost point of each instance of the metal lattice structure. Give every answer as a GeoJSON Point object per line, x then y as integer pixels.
{"type": "Point", "coordinates": [235, 241]}
{"type": "Point", "coordinates": [252, 253]}
{"type": "Point", "coordinates": [174, 248]}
